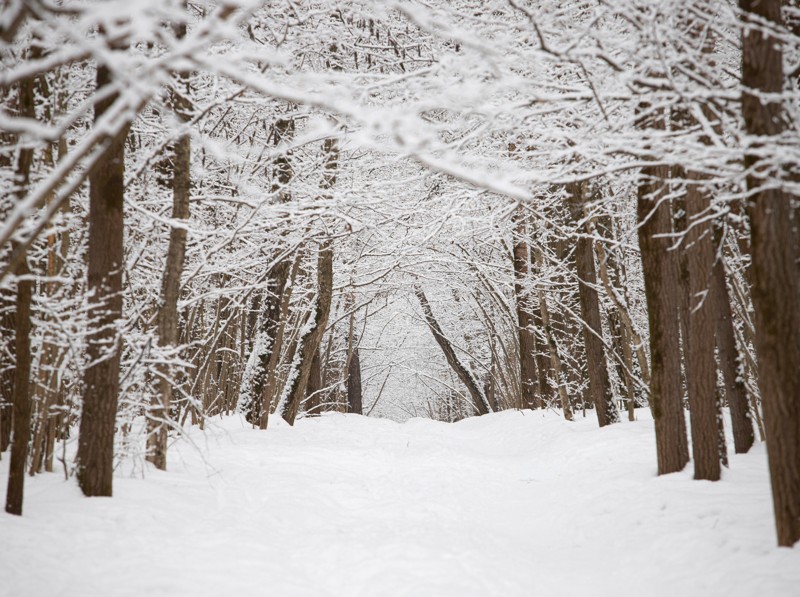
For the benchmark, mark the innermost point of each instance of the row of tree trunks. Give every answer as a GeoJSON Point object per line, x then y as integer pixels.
{"type": "Point", "coordinates": [48, 388]}
{"type": "Point", "coordinates": [622, 305]}
{"type": "Point", "coordinates": [312, 340]}
{"type": "Point", "coordinates": [271, 391]}
{"type": "Point", "coordinates": [283, 132]}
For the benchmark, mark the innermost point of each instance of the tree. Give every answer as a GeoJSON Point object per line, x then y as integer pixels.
{"type": "Point", "coordinates": [322, 307]}
{"type": "Point", "coordinates": [654, 217]}
{"type": "Point", "coordinates": [167, 319]}
{"type": "Point", "coordinates": [479, 400]}
{"type": "Point", "coordinates": [526, 339]}
{"type": "Point", "coordinates": [776, 288]}
{"type": "Point", "coordinates": [22, 343]}
{"type": "Point", "coordinates": [105, 263]}
{"type": "Point", "coordinates": [599, 385]}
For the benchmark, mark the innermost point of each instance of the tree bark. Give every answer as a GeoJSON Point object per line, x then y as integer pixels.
{"type": "Point", "coordinates": [661, 292]}
{"type": "Point", "coordinates": [22, 398]}
{"type": "Point", "coordinates": [314, 385]}
{"type": "Point", "coordinates": [272, 382]}
{"type": "Point", "coordinates": [776, 292]}
{"type": "Point", "coordinates": [599, 385]}
{"type": "Point", "coordinates": [525, 330]}
{"type": "Point", "coordinates": [105, 263]}
{"type": "Point", "coordinates": [22, 341]}
{"type": "Point", "coordinates": [167, 321]}
{"type": "Point", "coordinates": [312, 340]}
{"type": "Point", "coordinates": [701, 370]}
{"type": "Point", "coordinates": [354, 396]}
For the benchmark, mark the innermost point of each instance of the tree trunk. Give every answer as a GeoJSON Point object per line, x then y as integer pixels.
{"type": "Point", "coordinates": [324, 295]}
{"type": "Point", "coordinates": [661, 292]}
{"type": "Point", "coordinates": [313, 394]}
{"type": "Point", "coordinates": [167, 322]}
{"type": "Point", "coordinates": [525, 329]}
{"type": "Point", "coordinates": [22, 342]}
{"type": "Point", "coordinates": [730, 361]}
{"type": "Point", "coordinates": [312, 340]}
{"type": "Point", "coordinates": [555, 361]}
{"type": "Point", "coordinates": [284, 130]}
{"type": "Point", "coordinates": [22, 398]}
{"type": "Point", "coordinates": [775, 284]}
{"type": "Point", "coordinates": [105, 263]}
{"type": "Point", "coordinates": [354, 397]}
{"type": "Point", "coordinates": [479, 400]}
{"type": "Point", "coordinates": [599, 385]}
{"type": "Point", "coordinates": [269, 389]}
{"type": "Point", "coordinates": [701, 370]}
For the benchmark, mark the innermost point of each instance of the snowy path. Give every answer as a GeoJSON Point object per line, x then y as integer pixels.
{"type": "Point", "coordinates": [507, 505]}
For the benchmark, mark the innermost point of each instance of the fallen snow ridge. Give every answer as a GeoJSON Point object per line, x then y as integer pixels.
{"type": "Point", "coordinates": [511, 504]}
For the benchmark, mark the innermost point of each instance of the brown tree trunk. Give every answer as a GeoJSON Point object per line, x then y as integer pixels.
{"type": "Point", "coordinates": [479, 400]}
{"type": "Point", "coordinates": [22, 398]}
{"type": "Point", "coordinates": [269, 389]}
{"type": "Point", "coordinates": [730, 360]}
{"type": "Point", "coordinates": [541, 353]}
{"type": "Point", "coordinates": [555, 361]}
{"type": "Point", "coordinates": [284, 130]}
{"type": "Point", "coordinates": [22, 341]}
{"type": "Point", "coordinates": [324, 295]}
{"type": "Point", "coordinates": [105, 263]}
{"type": "Point", "coordinates": [701, 371]}
{"type": "Point", "coordinates": [525, 329]}
{"type": "Point", "coordinates": [312, 340]}
{"type": "Point", "coordinates": [354, 397]}
{"type": "Point", "coordinates": [661, 291]}
{"type": "Point", "coordinates": [599, 385]}
{"type": "Point", "coordinates": [167, 321]}
{"type": "Point", "coordinates": [313, 394]}
{"type": "Point", "coordinates": [775, 284]}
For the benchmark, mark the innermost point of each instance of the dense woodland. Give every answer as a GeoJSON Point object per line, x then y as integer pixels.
{"type": "Point", "coordinates": [438, 209]}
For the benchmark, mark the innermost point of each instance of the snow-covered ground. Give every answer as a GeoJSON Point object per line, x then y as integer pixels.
{"type": "Point", "coordinates": [512, 504]}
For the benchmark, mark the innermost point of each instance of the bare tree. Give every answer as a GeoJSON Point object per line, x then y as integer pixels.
{"type": "Point", "coordinates": [660, 270]}
{"type": "Point", "coordinates": [167, 319]}
{"type": "Point", "coordinates": [479, 400]}
{"type": "Point", "coordinates": [776, 288]}
{"type": "Point", "coordinates": [22, 343]}
{"type": "Point", "coordinates": [599, 385]}
{"type": "Point", "coordinates": [105, 262]}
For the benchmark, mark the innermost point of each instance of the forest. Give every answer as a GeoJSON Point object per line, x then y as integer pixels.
{"type": "Point", "coordinates": [312, 218]}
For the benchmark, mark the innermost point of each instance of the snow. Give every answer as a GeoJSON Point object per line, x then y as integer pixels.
{"type": "Point", "coordinates": [517, 503]}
